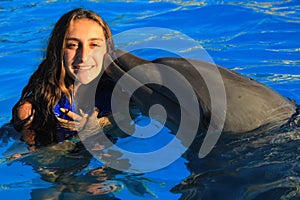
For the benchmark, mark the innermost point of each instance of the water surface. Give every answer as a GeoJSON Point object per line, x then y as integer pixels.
{"type": "Point", "coordinates": [260, 39]}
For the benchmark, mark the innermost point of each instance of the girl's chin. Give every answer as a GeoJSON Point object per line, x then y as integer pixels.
{"type": "Point", "coordinates": [85, 80]}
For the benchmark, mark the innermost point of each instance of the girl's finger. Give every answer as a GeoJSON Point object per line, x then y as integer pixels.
{"type": "Point", "coordinates": [72, 125]}
{"type": "Point", "coordinates": [67, 124]}
{"type": "Point", "coordinates": [83, 114]}
{"type": "Point", "coordinates": [61, 120]}
{"type": "Point", "coordinates": [71, 114]}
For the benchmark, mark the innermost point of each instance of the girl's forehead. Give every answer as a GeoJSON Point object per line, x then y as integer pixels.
{"type": "Point", "coordinates": [85, 28]}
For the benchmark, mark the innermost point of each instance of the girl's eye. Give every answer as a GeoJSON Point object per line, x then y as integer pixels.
{"type": "Point", "coordinates": [72, 46]}
{"type": "Point", "coordinates": [95, 45]}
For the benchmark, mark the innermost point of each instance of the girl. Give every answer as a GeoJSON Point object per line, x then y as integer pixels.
{"type": "Point", "coordinates": [48, 111]}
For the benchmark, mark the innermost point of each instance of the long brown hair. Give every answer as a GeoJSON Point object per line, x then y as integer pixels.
{"type": "Point", "coordinates": [50, 81]}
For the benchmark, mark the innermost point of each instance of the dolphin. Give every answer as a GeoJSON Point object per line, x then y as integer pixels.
{"type": "Point", "coordinates": [249, 105]}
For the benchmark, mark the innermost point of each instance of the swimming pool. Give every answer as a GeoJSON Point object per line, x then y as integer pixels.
{"type": "Point", "coordinates": [260, 39]}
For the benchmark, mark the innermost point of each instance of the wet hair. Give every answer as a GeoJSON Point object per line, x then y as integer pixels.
{"type": "Point", "coordinates": [50, 81]}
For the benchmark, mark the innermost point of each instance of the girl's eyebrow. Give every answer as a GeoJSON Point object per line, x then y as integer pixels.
{"type": "Point", "coordinates": [75, 39]}
{"type": "Point", "coordinates": [91, 39]}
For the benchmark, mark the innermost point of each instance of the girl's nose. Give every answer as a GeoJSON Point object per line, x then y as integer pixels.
{"type": "Point", "coordinates": [83, 53]}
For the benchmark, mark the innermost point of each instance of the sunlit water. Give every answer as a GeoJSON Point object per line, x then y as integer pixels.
{"type": "Point", "coordinates": [260, 39]}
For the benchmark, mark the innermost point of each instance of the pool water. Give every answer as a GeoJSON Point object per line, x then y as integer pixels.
{"type": "Point", "coordinates": [259, 39]}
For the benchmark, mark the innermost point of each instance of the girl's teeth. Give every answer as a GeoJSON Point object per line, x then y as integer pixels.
{"type": "Point", "coordinates": [84, 68]}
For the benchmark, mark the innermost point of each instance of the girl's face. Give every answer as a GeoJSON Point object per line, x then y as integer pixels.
{"type": "Point", "coordinates": [84, 50]}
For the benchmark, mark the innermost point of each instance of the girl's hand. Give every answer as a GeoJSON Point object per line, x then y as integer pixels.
{"type": "Point", "coordinates": [92, 123]}
{"type": "Point", "coordinates": [81, 122]}
{"type": "Point", "coordinates": [78, 122]}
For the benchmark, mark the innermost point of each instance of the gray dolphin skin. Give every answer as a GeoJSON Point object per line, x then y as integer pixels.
{"type": "Point", "coordinates": [249, 104]}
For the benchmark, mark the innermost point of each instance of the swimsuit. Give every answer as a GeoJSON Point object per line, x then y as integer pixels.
{"type": "Point", "coordinates": [102, 103]}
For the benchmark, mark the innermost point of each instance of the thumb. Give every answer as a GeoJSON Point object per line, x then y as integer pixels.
{"type": "Point", "coordinates": [83, 114]}
{"type": "Point", "coordinates": [95, 113]}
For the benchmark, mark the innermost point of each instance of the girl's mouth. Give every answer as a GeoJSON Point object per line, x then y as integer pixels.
{"type": "Point", "coordinates": [83, 68]}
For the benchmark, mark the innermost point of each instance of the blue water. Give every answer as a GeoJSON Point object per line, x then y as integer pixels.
{"type": "Point", "coordinates": [259, 39]}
